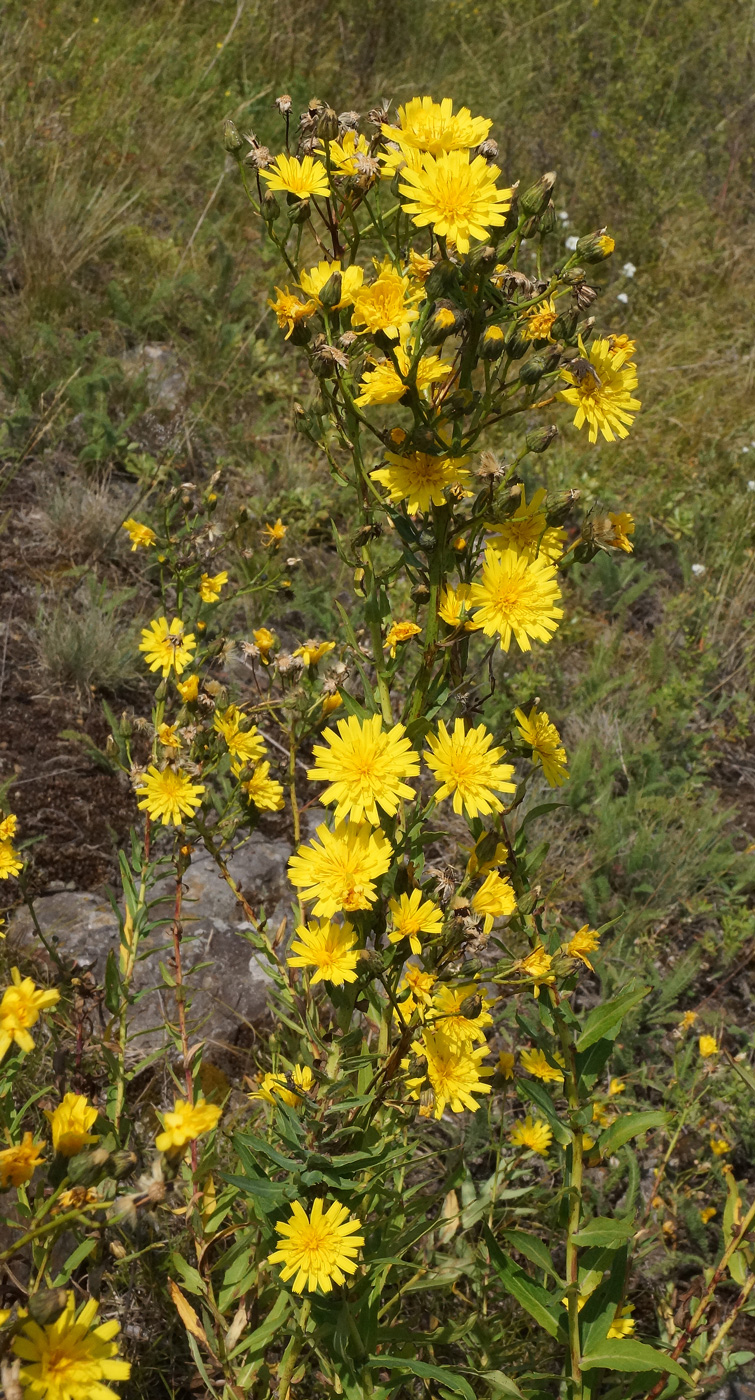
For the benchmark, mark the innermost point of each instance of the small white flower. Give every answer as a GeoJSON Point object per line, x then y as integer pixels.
{"type": "Point", "coordinates": [571, 243]}
{"type": "Point", "coordinates": [629, 269]}
{"type": "Point", "coordinates": [751, 486]}
{"type": "Point", "coordinates": [623, 298]}
{"type": "Point", "coordinates": [744, 449]}
{"type": "Point", "coordinates": [562, 215]}
{"type": "Point", "coordinates": [698, 570]}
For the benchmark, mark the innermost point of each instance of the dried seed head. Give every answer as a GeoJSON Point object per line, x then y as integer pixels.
{"type": "Point", "coordinates": [283, 103]}
{"type": "Point", "coordinates": [259, 158]}
{"type": "Point", "coordinates": [490, 468]}
{"type": "Point", "coordinates": [348, 121]}
{"type": "Point", "coordinates": [379, 115]}
{"type": "Point", "coordinates": [584, 296]}
{"type": "Point", "coordinates": [327, 124]}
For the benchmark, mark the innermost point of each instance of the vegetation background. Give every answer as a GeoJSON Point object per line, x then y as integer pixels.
{"type": "Point", "coordinates": [136, 332]}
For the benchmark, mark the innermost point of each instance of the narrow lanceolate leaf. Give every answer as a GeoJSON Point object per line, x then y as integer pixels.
{"type": "Point", "coordinates": [628, 1126]}
{"type": "Point", "coordinates": [186, 1312]}
{"type": "Point", "coordinates": [604, 1232]}
{"type": "Point", "coordinates": [457, 1384]}
{"type": "Point", "coordinates": [625, 1354]}
{"type": "Point", "coordinates": [605, 1021]}
{"type": "Point", "coordinates": [537, 1301]}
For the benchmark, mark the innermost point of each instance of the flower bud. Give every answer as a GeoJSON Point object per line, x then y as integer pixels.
{"type": "Point", "coordinates": [442, 276]}
{"type": "Point", "coordinates": [526, 902]}
{"type": "Point", "coordinates": [87, 1167]}
{"type": "Point", "coordinates": [365, 534]}
{"type": "Point", "coordinates": [547, 221]}
{"type": "Point", "coordinates": [565, 325]}
{"type": "Point", "coordinates": [540, 439]}
{"type": "Point", "coordinates": [231, 138]}
{"type": "Point", "coordinates": [302, 211]}
{"type": "Point", "coordinates": [46, 1306]}
{"type": "Point", "coordinates": [471, 1007]}
{"type": "Point", "coordinates": [574, 275]}
{"type": "Point", "coordinates": [270, 208]}
{"type": "Point", "coordinates": [516, 344]}
{"type": "Point", "coordinates": [301, 334]}
{"type": "Point", "coordinates": [480, 260]}
{"type": "Point", "coordinates": [492, 343]}
{"type": "Point", "coordinates": [327, 124]}
{"type": "Point", "coordinates": [594, 247]}
{"type": "Point", "coordinates": [535, 199]}
{"type": "Point", "coordinates": [585, 329]}
{"type": "Point", "coordinates": [532, 369]}
{"type": "Point", "coordinates": [445, 321]}
{"type": "Point", "coordinates": [530, 227]}
{"type": "Point", "coordinates": [122, 1164]}
{"type": "Point", "coordinates": [560, 511]}
{"type": "Point", "coordinates": [421, 594]}
{"type": "Point", "coordinates": [330, 294]}
{"type": "Point", "coordinates": [470, 968]}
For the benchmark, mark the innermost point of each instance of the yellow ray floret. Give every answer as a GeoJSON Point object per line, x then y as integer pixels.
{"type": "Point", "coordinates": [365, 766]}
{"type": "Point", "coordinates": [70, 1358]}
{"type": "Point", "coordinates": [545, 741]}
{"type": "Point", "coordinates": [601, 391]}
{"type": "Point", "coordinates": [169, 796]}
{"type": "Point", "coordinates": [319, 1249]}
{"type": "Point", "coordinates": [457, 196]}
{"type": "Point", "coordinates": [468, 769]}
{"type": "Point", "coordinates": [412, 915]}
{"type": "Point", "coordinates": [331, 949]}
{"type": "Point", "coordinates": [70, 1123]}
{"type": "Point", "coordinates": [495, 899]}
{"type": "Point", "coordinates": [516, 597]}
{"type": "Point", "coordinates": [18, 1164]}
{"type": "Point", "coordinates": [338, 869]}
{"type": "Point", "coordinates": [432, 126]}
{"type": "Point", "coordinates": [19, 1009]}
{"type": "Point", "coordinates": [302, 178]}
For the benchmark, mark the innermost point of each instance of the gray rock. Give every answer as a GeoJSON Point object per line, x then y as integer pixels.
{"type": "Point", "coordinates": [166, 380]}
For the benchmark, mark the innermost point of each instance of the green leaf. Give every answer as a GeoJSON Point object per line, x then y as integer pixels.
{"type": "Point", "coordinates": [628, 1126]}
{"type": "Point", "coordinates": [457, 1384]}
{"type": "Point", "coordinates": [72, 1262]}
{"type": "Point", "coordinates": [533, 1249]}
{"type": "Point", "coordinates": [538, 1095]}
{"type": "Point", "coordinates": [605, 1020]}
{"type": "Point", "coordinates": [537, 1301]}
{"type": "Point", "coordinates": [269, 1195]}
{"type": "Point", "coordinates": [112, 983]}
{"type": "Point", "coordinates": [604, 1232]}
{"type": "Point", "coordinates": [592, 1062]}
{"type": "Point", "coordinates": [625, 1354]}
{"type": "Point", "coordinates": [745, 1074]}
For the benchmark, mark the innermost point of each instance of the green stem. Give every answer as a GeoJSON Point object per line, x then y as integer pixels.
{"type": "Point", "coordinates": [441, 517]}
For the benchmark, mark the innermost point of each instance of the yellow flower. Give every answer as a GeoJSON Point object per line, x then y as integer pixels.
{"type": "Point", "coordinates": [601, 1116]}
{"type": "Point", "coordinates": [420, 267]}
{"type": "Point", "coordinates": [528, 532]}
{"type": "Point", "coordinates": [387, 304]}
{"type": "Point", "coordinates": [328, 947]}
{"type": "Point", "coordinates": [482, 859]}
{"type": "Point", "coordinates": [602, 395]}
{"type": "Point", "coordinates": [311, 652]}
{"type": "Point", "coordinates": [168, 736]}
{"type": "Point", "coordinates": [456, 195]}
{"type": "Point", "coordinates": [539, 320]}
{"type": "Point", "coordinates": [623, 1324]}
{"type": "Point", "coordinates": [273, 534]}
{"type": "Point", "coordinates": [516, 597]}
{"type": "Point", "coordinates": [623, 344]}
{"type": "Point", "coordinates": [187, 1122]}
{"type": "Point", "coordinates": [75, 1198]}
{"type": "Point", "coordinates": [18, 1164]}
{"type": "Point", "coordinates": [331, 702]}
{"type": "Point", "coordinates": [534, 1134]}
{"type": "Point", "coordinates": [536, 1062]}
{"type": "Point", "coordinates": [312, 282]}
{"type": "Point", "coordinates": [719, 1145]}
{"type": "Point", "coordinates": [290, 309]}
{"type": "Point", "coordinates": [412, 916]}
{"type": "Point", "coordinates": [450, 1017]}
{"type": "Point", "coordinates": [399, 632]}
{"type": "Point", "coordinates": [453, 1069]}
{"type": "Point", "coordinates": [453, 607]}
{"type": "Point", "coordinates": [505, 1064]}
{"type": "Point", "coordinates": [420, 986]}
{"type": "Point", "coordinates": [623, 525]}
{"type": "Point", "coordinates": [708, 1046]}
{"type": "Point", "coordinates": [245, 745]}
{"type": "Point", "coordinates": [319, 1248]}
{"type": "Point", "coordinates": [366, 767]}
{"type": "Point", "coordinates": [141, 536]}
{"type": "Point", "coordinates": [707, 1214]}
{"type": "Point", "coordinates": [70, 1359]}
{"type": "Point", "coordinates": [19, 1009]}
{"type": "Point", "coordinates": [274, 1087]}
{"type": "Point", "coordinates": [167, 648]}
{"type": "Point", "coordinates": [616, 1087]}
{"type": "Point", "coordinates": [420, 479]}
{"type": "Point", "coordinates": [70, 1123]}
{"type": "Point", "coordinates": [265, 792]}
{"type": "Point", "coordinates": [10, 861]}
{"type": "Point", "coordinates": [584, 941]}
{"type": "Point", "coordinates": [210, 586]}
{"type": "Point", "coordinates": [495, 899]}
{"type": "Point", "coordinates": [384, 384]}
{"type": "Point", "coordinates": [302, 178]}
{"type": "Point", "coordinates": [338, 868]}
{"type": "Point", "coordinates": [344, 155]}
{"type": "Point", "coordinates": [545, 741]}
{"type": "Point", "coordinates": [264, 640]}
{"type": "Point", "coordinates": [169, 796]}
{"type": "Point", "coordinates": [188, 689]}
{"type": "Point", "coordinates": [536, 965]}
{"type": "Point", "coordinates": [8, 827]}
{"type": "Point", "coordinates": [431, 126]}
{"type": "Point", "coordinates": [468, 769]}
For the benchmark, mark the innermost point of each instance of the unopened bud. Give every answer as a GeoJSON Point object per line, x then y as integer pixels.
{"type": "Point", "coordinates": [46, 1306]}
{"type": "Point", "coordinates": [574, 275]}
{"type": "Point", "coordinates": [585, 329]}
{"type": "Point", "coordinates": [517, 344]}
{"type": "Point", "coordinates": [330, 294]}
{"type": "Point", "coordinates": [560, 511]}
{"type": "Point", "coordinates": [531, 227]}
{"type": "Point", "coordinates": [442, 276]}
{"type": "Point", "coordinates": [327, 124]}
{"type": "Point", "coordinates": [445, 320]}
{"type": "Point", "coordinates": [540, 439]}
{"type": "Point", "coordinates": [532, 369]}
{"type": "Point", "coordinates": [492, 343]}
{"type": "Point", "coordinates": [365, 534]}
{"type": "Point", "coordinates": [565, 325]}
{"type": "Point", "coordinates": [481, 259]}
{"type": "Point", "coordinates": [122, 1164]}
{"type": "Point", "coordinates": [526, 902]}
{"type": "Point", "coordinates": [302, 210]}
{"type": "Point", "coordinates": [426, 1103]}
{"type": "Point", "coordinates": [535, 199]}
{"type": "Point", "coordinates": [231, 138]}
{"type": "Point", "coordinates": [547, 221]}
{"type": "Point", "coordinates": [270, 208]}
{"type": "Point", "coordinates": [87, 1167]}
{"type": "Point", "coordinates": [594, 247]}
{"type": "Point", "coordinates": [117, 1250]}
{"type": "Point", "coordinates": [471, 1007]}
{"type": "Point", "coordinates": [301, 334]}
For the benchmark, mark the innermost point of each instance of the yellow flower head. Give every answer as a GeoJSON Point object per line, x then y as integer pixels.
{"type": "Point", "coordinates": [141, 536]}
{"type": "Point", "coordinates": [623, 526]}
{"type": "Point", "coordinates": [345, 155]}
{"type": "Point", "coordinates": [454, 1072]}
{"type": "Point", "coordinates": [602, 394]}
{"type": "Point", "coordinates": [537, 966]}
{"type": "Point", "coordinates": [302, 178]}
{"type": "Point", "coordinates": [420, 267]}
{"type": "Point", "coordinates": [413, 915]}
{"type": "Point", "coordinates": [708, 1046]}
{"type": "Point", "coordinates": [167, 648]}
{"type": "Point", "coordinates": [456, 195]}
{"type": "Point", "coordinates": [365, 766]}
{"type": "Point", "coordinates": [420, 986]}
{"type": "Point", "coordinates": [454, 607]}
{"type": "Point", "coordinates": [18, 1164]}
{"type": "Point", "coordinates": [168, 736]}
{"type": "Point", "coordinates": [584, 941]}
{"type": "Point", "coordinates": [187, 1122]}
{"type": "Point", "coordinates": [264, 640]}
{"type": "Point", "coordinates": [384, 384]}
{"type": "Point", "coordinates": [468, 770]}
{"type": "Point", "coordinates": [273, 534]}
{"type": "Point", "coordinates": [290, 309]}
{"type": "Point", "coordinates": [70, 1123]}
{"type": "Point", "coordinates": [707, 1214]}
{"type": "Point", "coordinates": [311, 652]}
{"type": "Point", "coordinates": [506, 1062]}
{"type": "Point", "coordinates": [528, 532]}
{"type": "Point", "coordinates": [388, 304]}
{"type": "Point", "coordinates": [623, 1323]}
{"type": "Point", "coordinates": [687, 1021]}
{"type": "Point", "coordinates": [330, 948]}
{"type": "Point", "coordinates": [450, 1018]}
{"type": "Point", "coordinates": [8, 827]}
{"type": "Point", "coordinates": [169, 796]}
{"type": "Point", "coordinates": [537, 1063]}
{"type": "Point", "coordinates": [338, 869]}
{"type": "Point", "coordinates": [719, 1146]}
{"type": "Point", "coordinates": [246, 745]}
{"type": "Point", "coordinates": [319, 1248]}
{"type": "Point", "coordinates": [400, 632]}
{"type": "Point", "coordinates": [516, 597]}
{"type": "Point", "coordinates": [331, 702]}
{"type": "Point", "coordinates": [420, 479]}
{"type": "Point", "coordinates": [188, 689]}
{"type": "Point", "coordinates": [495, 899]}
{"type": "Point", "coordinates": [430, 126]}
{"type": "Point", "coordinates": [616, 1087]}
{"type": "Point", "coordinates": [312, 282]}
{"type": "Point", "coordinates": [532, 1134]}
{"type": "Point", "coordinates": [71, 1358]}
{"type": "Point", "coordinates": [539, 320]}
{"type": "Point", "coordinates": [19, 1009]}
{"type": "Point", "coordinates": [545, 741]}
{"type": "Point", "coordinates": [265, 792]}
{"type": "Point", "coordinates": [210, 586]}
{"type": "Point", "coordinates": [275, 1087]}
{"type": "Point", "coordinates": [10, 861]}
